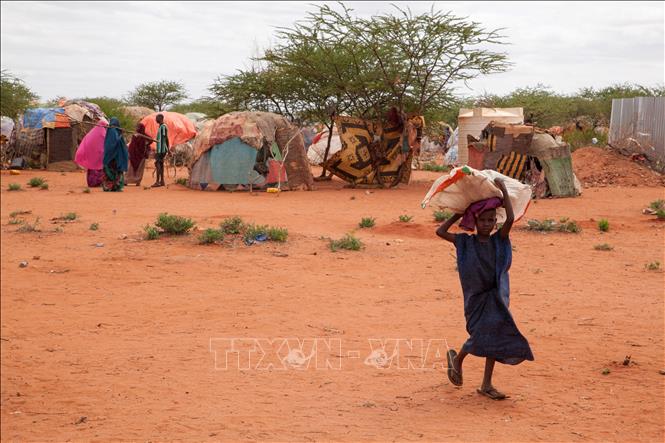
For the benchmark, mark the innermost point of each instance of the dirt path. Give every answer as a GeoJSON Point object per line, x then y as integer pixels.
{"type": "Point", "coordinates": [121, 334]}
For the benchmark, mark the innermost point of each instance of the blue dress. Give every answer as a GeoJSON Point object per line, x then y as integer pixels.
{"type": "Point", "coordinates": [483, 270]}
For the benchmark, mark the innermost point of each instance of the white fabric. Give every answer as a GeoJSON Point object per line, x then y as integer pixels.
{"type": "Point", "coordinates": [317, 150]}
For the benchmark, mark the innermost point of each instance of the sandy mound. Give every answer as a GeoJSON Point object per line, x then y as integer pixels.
{"type": "Point", "coordinates": [597, 167]}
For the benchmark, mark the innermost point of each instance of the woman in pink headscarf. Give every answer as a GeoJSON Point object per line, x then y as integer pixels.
{"type": "Point", "coordinates": [90, 153]}
{"type": "Point", "coordinates": [139, 150]}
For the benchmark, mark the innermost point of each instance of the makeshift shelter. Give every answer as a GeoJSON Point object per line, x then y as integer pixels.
{"type": "Point", "coordinates": [249, 148]}
{"type": "Point", "coordinates": [375, 153]}
{"type": "Point", "coordinates": [527, 154]}
{"type": "Point", "coordinates": [181, 129]}
{"type": "Point", "coordinates": [473, 121]}
{"type": "Point", "coordinates": [48, 137]}
{"type": "Point", "coordinates": [137, 113]}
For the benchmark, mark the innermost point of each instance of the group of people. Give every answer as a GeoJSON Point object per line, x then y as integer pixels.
{"type": "Point", "coordinates": [124, 164]}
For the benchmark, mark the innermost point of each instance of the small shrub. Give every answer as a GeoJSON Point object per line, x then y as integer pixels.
{"type": "Point", "coordinates": [441, 216]}
{"type": "Point", "coordinates": [603, 225]}
{"type": "Point", "coordinates": [252, 231]}
{"type": "Point", "coordinates": [86, 191]}
{"type": "Point", "coordinates": [653, 266]}
{"type": "Point", "coordinates": [44, 186]}
{"type": "Point", "coordinates": [27, 227]}
{"type": "Point", "coordinates": [14, 187]}
{"type": "Point", "coordinates": [15, 221]}
{"type": "Point", "coordinates": [405, 218]}
{"type": "Point", "coordinates": [657, 205]}
{"type": "Point", "coordinates": [210, 236]}
{"type": "Point", "coordinates": [36, 182]}
{"type": "Point", "coordinates": [367, 222]}
{"type": "Point", "coordinates": [569, 226]}
{"type": "Point", "coordinates": [19, 212]}
{"type": "Point", "coordinates": [70, 216]}
{"type": "Point", "coordinates": [182, 181]}
{"type": "Point", "coordinates": [232, 225]}
{"type": "Point", "coordinates": [603, 247]}
{"type": "Point", "coordinates": [174, 224]}
{"type": "Point", "coordinates": [94, 226]}
{"type": "Point", "coordinates": [660, 214]}
{"type": "Point", "coordinates": [435, 168]}
{"type": "Point", "coordinates": [348, 242]}
{"type": "Point", "coordinates": [151, 233]}
{"type": "Point", "coordinates": [277, 234]}
{"type": "Point", "coordinates": [546, 225]}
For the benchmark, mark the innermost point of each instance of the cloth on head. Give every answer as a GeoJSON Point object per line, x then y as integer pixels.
{"type": "Point", "coordinates": [139, 147]}
{"type": "Point", "coordinates": [115, 147]}
{"type": "Point", "coordinates": [468, 222]}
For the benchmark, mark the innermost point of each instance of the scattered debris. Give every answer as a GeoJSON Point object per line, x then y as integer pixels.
{"type": "Point", "coordinates": [81, 420]}
{"type": "Point", "coordinates": [23, 264]}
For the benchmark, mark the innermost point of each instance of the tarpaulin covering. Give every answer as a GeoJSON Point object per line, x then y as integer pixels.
{"type": "Point", "coordinates": [229, 163]}
{"type": "Point", "coordinates": [93, 110]}
{"type": "Point", "coordinates": [39, 118]}
{"type": "Point", "coordinates": [90, 153]}
{"type": "Point", "coordinates": [317, 149]}
{"type": "Point", "coordinates": [181, 129]}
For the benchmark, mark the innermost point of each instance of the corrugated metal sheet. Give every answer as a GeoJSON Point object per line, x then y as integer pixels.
{"type": "Point", "coordinates": [638, 125]}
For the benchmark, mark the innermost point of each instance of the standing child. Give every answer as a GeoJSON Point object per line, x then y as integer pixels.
{"type": "Point", "coordinates": [161, 150]}
{"type": "Point", "coordinates": [483, 261]}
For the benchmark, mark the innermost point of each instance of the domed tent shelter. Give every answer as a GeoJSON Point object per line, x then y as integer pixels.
{"type": "Point", "coordinates": [250, 148]}
{"type": "Point", "coordinates": [137, 113]}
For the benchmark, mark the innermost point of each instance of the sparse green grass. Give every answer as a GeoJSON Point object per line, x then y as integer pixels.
{"type": "Point", "coordinates": [405, 218]}
{"type": "Point", "coordinates": [660, 214]}
{"type": "Point", "coordinates": [70, 216]}
{"type": "Point", "coordinates": [657, 205]}
{"type": "Point", "coordinates": [348, 242]}
{"type": "Point", "coordinates": [232, 225]}
{"type": "Point", "coordinates": [252, 231]}
{"type": "Point", "coordinates": [367, 222]}
{"type": "Point", "coordinates": [653, 266]}
{"type": "Point", "coordinates": [15, 221]}
{"type": "Point", "coordinates": [19, 212]}
{"type": "Point", "coordinates": [603, 225]}
{"type": "Point", "coordinates": [567, 225]}
{"type": "Point", "coordinates": [94, 226]}
{"type": "Point", "coordinates": [603, 247]}
{"type": "Point", "coordinates": [29, 227]}
{"type": "Point", "coordinates": [43, 187]}
{"type": "Point", "coordinates": [182, 181]}
{"type": "Point", "coordinates": [174, 224]}
{"type": "Point", "coordinates": [210, 236]}
{"type": "Point", "coordinates": [151, 233]}
{"type": "Point", "coordinates": [441, 216]}
{"type": "Point", "coordinates": [435, 168]}
{"type": "Point", "coordinates": [36, 182]}
{"type": "Point", "coordinates": [277, 234]}
{"type": "Point", "coordinates": [14, 187]}
{"type": "Point", "coordinates": [546, 225]}
{"type": "Point", "coordinates": [86, 191]}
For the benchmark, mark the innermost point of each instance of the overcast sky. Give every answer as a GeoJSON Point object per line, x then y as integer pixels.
{"type": "Point", "coordinates": [77, 49]}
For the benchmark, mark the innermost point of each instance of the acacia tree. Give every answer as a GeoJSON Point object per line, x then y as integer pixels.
{"type": "Point", "coordinates": [15, 95]}
{"type": "Point", "coordinates": [157, 95]}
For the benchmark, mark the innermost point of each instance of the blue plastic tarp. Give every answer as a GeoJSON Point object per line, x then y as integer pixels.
{"type": "Point", "coordinates": [38, 118]}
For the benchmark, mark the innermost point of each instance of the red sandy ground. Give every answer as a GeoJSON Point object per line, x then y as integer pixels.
{"type": "Point", "coordinates": [113, 342]}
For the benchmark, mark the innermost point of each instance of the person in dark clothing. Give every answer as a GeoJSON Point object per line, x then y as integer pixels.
{"type": "Point", "coordinates": [483, 261]}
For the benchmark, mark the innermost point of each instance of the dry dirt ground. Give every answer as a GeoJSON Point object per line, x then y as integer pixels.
{"type": "Point", "coordinates": [107, 337]}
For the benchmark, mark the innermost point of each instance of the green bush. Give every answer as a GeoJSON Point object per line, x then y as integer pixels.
{"type": "Point", "coordinates": [435, 168]}
{"type": "Point", "coordinates": [70, 216]}
{"type": "Point", "coordinates": [182, 181]}
{"type": "Point", "coordinates": [211, 236]}
{"type": "Point", "coordinates": [14, 187]}
{"type": "Point", "coordinates": [578, 139]}
{"type": "Point", "coordinates": [27, 227]}
{"type": "Point", "coordinates": [653, 266]}
{"type": "Point", "coordinates": [657, 205]}
{"type": "Point", "coordinates": [348, 242]}
{"type": "Point", "coordinates": [603, 225]}
{"type": "Point", "coordinates": [94, 226]}
{"type": "Point", "coordinates": [86, 191]}
{"type": "Point", "coordinates": [252, 231]}
{"type": "Point", "coordinates": [174, 224]}
{"type": "Point", "coordinates": [546, 225]}
{"type": "Point", "coordinates": [405, 218]}
{"type": "Point", "coordinates": [232, 225]}
{"type": "Point", "coordinates": [277, 234]}
{"type": "Point", "coordinates": [15, 221]}
{"type": "Point", "coordinates": [36, 182]}
{"type": "Point", "coordinates": [660, 214]}
{"type": "Point", "coordinates": [567, 225]}
{"type": "Point", "coordinates": [603, 247]}
{"type": "Point", "coordinates": [367, 222]}
{"type": "Point", "coordinates": [151, 233]}
{"type": "Point", "coordinates": [19, 212]}
{"type": "Point", "coordinates": [44, 186]}
{"type": "Point", "coordinates": [441, 216]}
